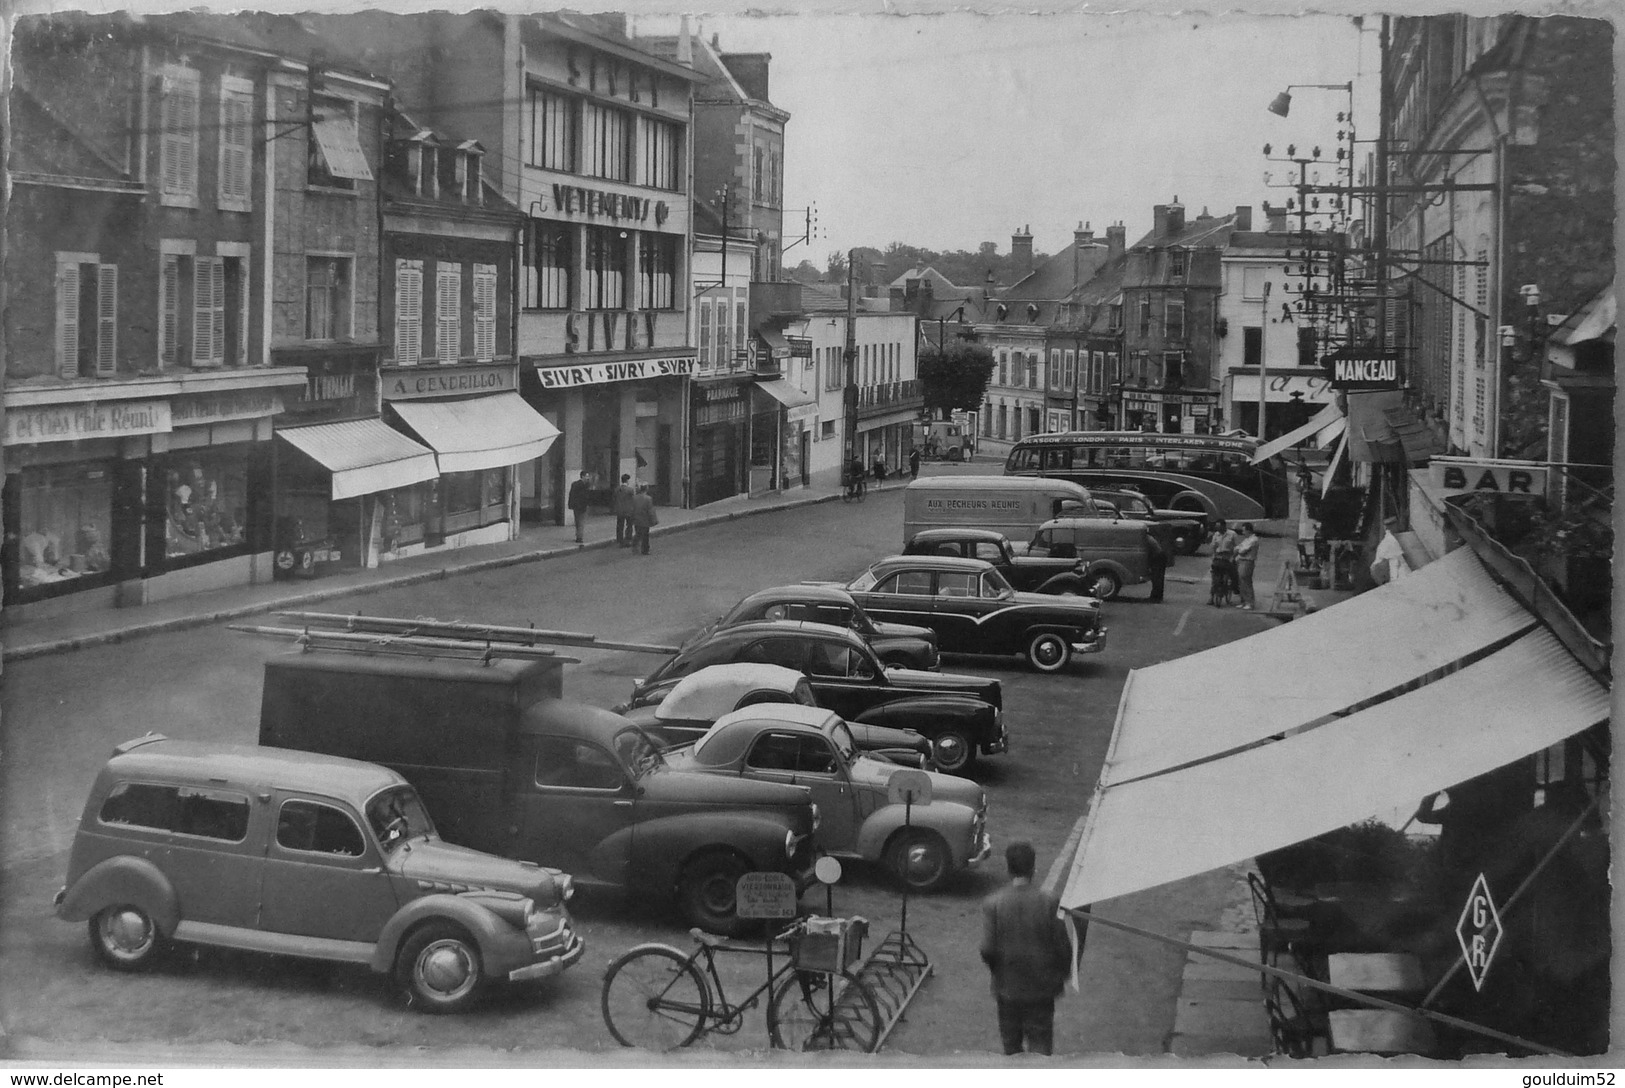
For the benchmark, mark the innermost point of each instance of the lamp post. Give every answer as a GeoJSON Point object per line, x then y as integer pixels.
{"type": "Point", "coordinates": [1263, 331]}
{"type": "Point", "coordinates": [1281, 104]}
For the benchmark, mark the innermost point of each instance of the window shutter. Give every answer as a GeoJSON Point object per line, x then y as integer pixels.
{"type": "Point", "coordinates": [217, 277]}
{"type": "Point", "coordinates": [107, 319]}
{"type": "Point", "coordinates": [408, 313]}
{"type": "Point", "coordinates": [485, 313]}
{"type": "Point", "coordinates": [242, 312]}
{"type": "Point", "coordinates": [448, 300]}
{"type": "Point", "coordinates": [236, 117]}
{"type": "Point", "coordinates": [67, 319]}
{"type": "Point", "coordinates": [169, 294]}
{"type": "Point", "coordinates": [178, 151]}
{"type": "Point", "coordinates": [208, 311]}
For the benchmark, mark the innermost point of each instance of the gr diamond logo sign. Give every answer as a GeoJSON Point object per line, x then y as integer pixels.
{"type": "Point", "coordinates": [1479, 931]}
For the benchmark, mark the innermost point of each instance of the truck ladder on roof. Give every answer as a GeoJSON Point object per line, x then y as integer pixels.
{"type": "Point", "coordinates": [360, 642]}
{"type": "Point", "coordinates": [429, 627]}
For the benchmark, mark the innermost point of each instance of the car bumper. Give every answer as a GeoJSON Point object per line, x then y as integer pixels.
{"type": "Point", "coordinates": [983, 850]}
{"type": "Point", "coordinates": [1001, 742]}
{"type": "Point", "coordinates": [550, 967]}
{"type": "Point", "coordinates": [1091, 646]}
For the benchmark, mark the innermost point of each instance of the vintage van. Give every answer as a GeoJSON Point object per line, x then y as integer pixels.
{"type": "Point", "coordinates": [1013, 505]}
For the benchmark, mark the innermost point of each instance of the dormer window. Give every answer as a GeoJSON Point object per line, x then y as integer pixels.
{"type": "Point", "coordinates": [429, 172]}
{"type": "Point", "coordinates": [1176, 264]}
{"type": "Point", "coordinates": [468, 158]}
{"type": "Point", "coordinates": [473, 192]}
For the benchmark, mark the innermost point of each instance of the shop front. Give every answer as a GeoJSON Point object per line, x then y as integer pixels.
{"type": "Point", "coordinates": [886, 439]}
{"type": "Point", "coordinates": [127, 501]}
{"type": "Point", "coordinates": [1172, 412]}
{"type": "Point", "coordinates": [482, 441]}
{"type": "Point", "coordinates": [1291, 400]}
{"type": "Point", "coordinates": [719, 433]}
{"type": "Point", "coordinates": [778, 423]}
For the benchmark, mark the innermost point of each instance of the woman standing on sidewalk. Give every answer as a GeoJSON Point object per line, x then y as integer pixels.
{"type": "Point", "coordinates": [1246, 560]}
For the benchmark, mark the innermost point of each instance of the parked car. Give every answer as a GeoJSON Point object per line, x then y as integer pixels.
{"type": "Point", "coordinates": [1104, 555]}
{"type": "Point", "coordinates": [974, 609]}
{"type": "Point", "coordinates": [1180, 531]}
{"type": "Point", "coordinates": [694, 704]}
{"type": "Point", "coordinates": [960, 714]}
{"type": "Point", "coordinates": [807, 746]}
{"type": "Point", "coordinates": [302, 855]}
{"type": "Point", "coordinates": [898, 645]}
{"type": "Point", "coordinates": [508, 766]}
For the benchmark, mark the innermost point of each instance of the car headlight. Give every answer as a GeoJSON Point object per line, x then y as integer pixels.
{"type": "Point", "coordinates": [817, 816]}
{"type": "Point", "coordinates": [790, 841]}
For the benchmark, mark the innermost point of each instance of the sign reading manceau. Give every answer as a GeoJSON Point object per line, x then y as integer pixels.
{"type": "Point", "coordinates": [1362, 372]}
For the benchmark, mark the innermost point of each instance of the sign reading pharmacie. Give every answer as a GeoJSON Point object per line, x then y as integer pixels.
{"type": "Point", "coordinates": [1363, 372]}
{"type": "Point", "coordinates": [86, 420]}
{"type": "Point", "coordinates": [630, 370]}
{"type": "Point", "coordinates": [411, 382]}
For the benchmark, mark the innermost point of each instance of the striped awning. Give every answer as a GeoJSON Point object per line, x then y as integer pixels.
{"type": "Point", "coordinates": [364, 455]}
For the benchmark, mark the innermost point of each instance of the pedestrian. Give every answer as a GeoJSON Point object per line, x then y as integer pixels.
{"type": "Point", "coordinates": [1390, 563]}
{"type": "Point", "coordinates": [643, 517]}
{"type": "Point", "coordinates": [880, 470]}
{"type": "Point", "coordinates": [1026, 946]}
{"type": "Point", "coordinates": [622, 501]}
{"type": "Point", "coordinates": [577, 502]}
{"type": "Point", "coordinates": [1246, 560]}
{"type": "Point", "coordinates": [1224, 543]}
{"type": "Point", "coordinates": [914, 463]}
{"type": "Point", "coordinates": [1156, 564]}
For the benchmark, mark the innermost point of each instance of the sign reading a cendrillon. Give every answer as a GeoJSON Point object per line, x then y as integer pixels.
{"type": "Point", "coordinates": [1363, 372]}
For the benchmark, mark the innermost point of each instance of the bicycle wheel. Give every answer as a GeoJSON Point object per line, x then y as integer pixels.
{"type": "Point", "coordinates": [655, 999]}
{"type": "Point", "coordinates": [814, 1011]}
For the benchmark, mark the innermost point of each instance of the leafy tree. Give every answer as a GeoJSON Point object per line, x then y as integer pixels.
{"type": "Point", "coordinates": [805, 272]}
{"type": "Point", "coordinates": [835, 267]}
{"type": "Point", "coordinates": [955, 376]}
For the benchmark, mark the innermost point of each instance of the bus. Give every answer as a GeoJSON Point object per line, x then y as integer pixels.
{"type": "Point", "coordinates": [1208, 474]}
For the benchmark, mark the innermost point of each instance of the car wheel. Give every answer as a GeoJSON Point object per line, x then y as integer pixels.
{"type": "Point", "coordinates": [952, 751]}
{"type": "Point", "coordinates": [895, 663]}
{"type": "Point", "coordinates": [1048, 652]}
{"type": "Point", "coordinates": [1105, 585]}
{"type": "Point", "coordinates": [919, 860]}
{"type": "Point", "coordinates": [705, 893]}
{"type": "Point", "coordinates": [125, 937]}
{"type": "Point", "coordinates": [439, 967]}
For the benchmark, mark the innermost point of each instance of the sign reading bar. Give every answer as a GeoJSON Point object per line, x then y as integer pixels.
{"type": "Point", "coordinates": [565, 377]}
{"type": "Point", "coordinates": [1363, 372]}
{"type": "Point", "coordinates": [1454, 475]}
{"type": "Point", "coordinates": [408, 382]}
{"type": "Point", "coordinates": [77, 422]}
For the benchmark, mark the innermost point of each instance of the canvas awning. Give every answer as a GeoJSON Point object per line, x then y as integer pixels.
{"type": "Point", "coordinates": [341, 148]}
{"type": "Point", "coordinates": [364, 455]}
{"type": "Point", "coordinates": [1520, 699]}
{"type": "Point", "coordinates": [798, 405]}
{"type": "Point", "coordinates": [1196, 707]}
{"type": "Point", "coordinates": [478, 432]}
{"type": "Point", "coordinates": [1328, 417]}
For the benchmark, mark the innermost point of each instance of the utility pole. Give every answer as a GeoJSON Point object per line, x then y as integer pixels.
{"type": "Point", "coordinates": [1263, 338]}
{"type": "Point", "coordinates": [849, 400]}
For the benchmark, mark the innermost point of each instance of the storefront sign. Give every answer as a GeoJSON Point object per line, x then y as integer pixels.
{"type": "Point", "coordinates": [77, 422]}
{"type": "Point", "coordinates": [728, 411]}
{"type": "Point", "coordinates": [1454, 475]}
{"type": "Point", "coordinates": [565, 377]}
{"type": "Point", "coordinates": [1281, 388]}
{"type": "Point", "coordinates": [1363, 372]}
{"type": "Point", "coordinates": [223, 407]}
{"type": "Point", "coordinates": [801, 412]}
{"type": "Point", "coordinates": [1137, 400]}
{"type": "Point", "coordinates": [601, 204]}
{"type": "Point", "coordinates": [337, 384]}
{"type": "Point", "coordinates": [800, 347]}
{"type": "Point", "coordinates": [404, 383]}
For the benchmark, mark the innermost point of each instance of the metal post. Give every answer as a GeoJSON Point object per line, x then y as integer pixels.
{"type": "Point", "coordinates": [849, 398]}
{"type": "Point", "coordinates": [1263, 338]}
{"type": "Point", "coordinates": [908, 810]}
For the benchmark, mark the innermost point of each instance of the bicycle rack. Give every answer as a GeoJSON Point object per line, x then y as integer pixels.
{"type": "Point", "coordinates": [894, 971]}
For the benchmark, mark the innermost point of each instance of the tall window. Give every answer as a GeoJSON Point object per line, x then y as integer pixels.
{"type": "Point", "coordinates": [1145, 315]}
{"type": "Point", "coordinates": [408, 312]}
{"type": "Point", "coordinates": [1252, 345]}
{"type": "Point", "coordinates": [657, 271]}
{"type": "Point", "coordinates": [1004, 375]}
{"type": "Point", "coordinates": [448, 313]}
{"type": "Point", "coordinates": [1176, 264]}
{"type": "Point", "coordinates": [180, 90]}
{"type": "Point", "coordinates": [606, 270]}
{"type": "Point", "coordinates": [203, 311]}
{"type": "Point", "coordinates": [549, 256]}
{"type": "Point", "coordinates": [706, 349]}
{"type": "Point", "coordinates": [1069, 373]}
{"type": "Point", "coordinates": [741, 312]}
{"type": "Point", "coordinates": [327, 298]}
{"type": "Point", "coordinates": [758, 174]}
{"type": "Point", "coordinates": [236, 144]}
{"type": "Point", "coordinates": [552, 123]}
{"type": "Point", "coordinates": [336, 160]}
{"type": "Point", "coordinates": [605, 142]}
{"type": "Point", "coordinates": [485, 312]}
{"type": "Point", "coordinates": [1032, 370]}
{"type": "Point", "coordinates": [1176, 317]}
{"type": "Point", "coordinates": [86, 315]}
{"type": "Point", "coordinates": [657, 161]}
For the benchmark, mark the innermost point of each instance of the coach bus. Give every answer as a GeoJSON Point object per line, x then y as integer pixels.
{"type": "Point", "coordinates": [1210, 474]}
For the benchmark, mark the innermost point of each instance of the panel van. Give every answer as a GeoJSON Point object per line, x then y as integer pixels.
{"type": "Point", "coordinates": [1013, 505]}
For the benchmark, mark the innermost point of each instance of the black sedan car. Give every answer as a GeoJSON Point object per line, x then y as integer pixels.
{"type": "Point", "coordinates": [974, 610]}
{"type": "Point", "coordinates": [1182, 531]}
{"type": "Point", "coordinates": [898, 645]}
{"type": "Point", "coordinates": [961, 715]}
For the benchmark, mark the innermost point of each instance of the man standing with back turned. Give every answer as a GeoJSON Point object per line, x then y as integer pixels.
{"type": "Point", "coordinates": [1026, 946]}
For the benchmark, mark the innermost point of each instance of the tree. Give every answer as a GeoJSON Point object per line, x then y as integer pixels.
{"type": "Point", "coordinates": [955, 376]}
{"type": "Point", "coordinates": [835, 267]}
{"type": "Point", "coordinates": [805, 272]}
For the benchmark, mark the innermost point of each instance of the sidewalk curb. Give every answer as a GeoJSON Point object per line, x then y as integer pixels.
{"type": "Point", "coordinates": [316, 596]}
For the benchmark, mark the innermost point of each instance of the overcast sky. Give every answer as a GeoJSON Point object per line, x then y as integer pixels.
{"type": "Point", "coordinates": [948, 130]}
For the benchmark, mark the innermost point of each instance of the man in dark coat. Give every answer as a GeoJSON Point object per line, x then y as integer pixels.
{"type": "Point", "coordinates": [643, 517]}
{"type": "Point", "coordinates": [1156, 565]}
{"type": "Point", "coordinates": [576, 500]}
{"type": "Point", "coordinates": [1026, 946]}
{"type": "Point", "coordinates": [914, 463]}
{"type": "Point", "coordinates": [622, 502]}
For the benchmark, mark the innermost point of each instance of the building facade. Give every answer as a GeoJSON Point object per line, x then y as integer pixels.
{"type": "Point", "coordinates": [885, 371]}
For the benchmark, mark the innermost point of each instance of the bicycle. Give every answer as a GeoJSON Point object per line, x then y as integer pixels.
{"type": "Point", "coordinates": [852, 486]}
{"type": "Point", "coordinates": [656, 998]}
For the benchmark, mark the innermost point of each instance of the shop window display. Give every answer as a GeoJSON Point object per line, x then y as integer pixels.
{"type": "Point", "coordinates": [64, 523]}
{"type": "Point", "coordinates": [206, 502]}
{"type": "Point", "coordinates": [474, 499]}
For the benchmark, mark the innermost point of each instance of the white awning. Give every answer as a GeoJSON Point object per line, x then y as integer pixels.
{"type": "Point", "coordinates": [478, 432]}
{"type": "Point", "coordinates": [786, 394]}
{"type": "Point", "coordinates": [1327, 417]}
{"type": "Point", "coordinates": [1208, 703]}
{"type": "Point", "coordinates": [364, 455]}
{"type": "Point", "coordinates": [341, 149]}
{"type": "Point", "coordinates": [1521, 699]}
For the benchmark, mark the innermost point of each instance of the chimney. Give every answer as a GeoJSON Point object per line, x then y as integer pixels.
{"type": "Point", "coordinates": [685, 44]}
{"type": "Point", "coordinates": [1021, 253]}
{"type": "Point", "coordinates": [1086, 255]}
{"type": "Point", "coordinates": [1159, 220]}
{"type": "Point", "coordinates": [1176, 217]}
{"type": "Point", "coordinates": [1116, 241]}
{"type": "Point", "coordinates": [1244, 217]}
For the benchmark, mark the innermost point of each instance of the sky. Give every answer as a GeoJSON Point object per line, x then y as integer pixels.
{"type": "Point", "coordinates": [946, 130]}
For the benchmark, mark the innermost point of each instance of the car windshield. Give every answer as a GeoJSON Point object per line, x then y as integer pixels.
{"type": "Point", "coordinates": [638, 751]}
{"type": "Point", "coordinates": [994, 585]}
{"type": "Point", "coordinates": [844, 744]}
{"type": "Point", "coordinates": [397, 815]}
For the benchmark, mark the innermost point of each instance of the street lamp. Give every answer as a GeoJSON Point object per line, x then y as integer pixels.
{"type": "Point", "coordinates": [1281, 104]}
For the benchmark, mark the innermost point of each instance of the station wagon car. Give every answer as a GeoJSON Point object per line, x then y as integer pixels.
{"type": "Point", "coordinates": [1105, 554]}
{"type": "Point", "coordinates": [961, 715]}
{"type": "Point", "coordinates": [699, 699]}
{"type": "Point", "coordinates": [1181, 531]}
{"type": "Point", "coordinates": [898, 645]}
{"type": "Point", "coordinates": [921, 845]}
{"type": "Point", "coordinates": [304, 855]}
{"type": "Point", "coordinates": [974, 609]}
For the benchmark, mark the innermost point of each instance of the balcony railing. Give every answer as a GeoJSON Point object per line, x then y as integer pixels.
{"type": "Point", "coordinates": [890, 397]}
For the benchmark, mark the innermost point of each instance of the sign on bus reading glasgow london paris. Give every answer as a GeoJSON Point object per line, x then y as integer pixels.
{"type": "Point", "coordinates": [1363, 372]}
